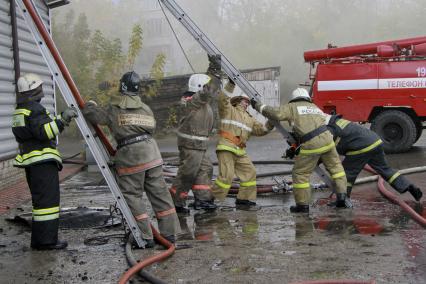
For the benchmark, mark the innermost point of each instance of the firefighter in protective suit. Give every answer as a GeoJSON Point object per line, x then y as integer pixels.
{"type": "Point", "coordinates": [235, 128]}
{"type": "Point", "coordinates": [362, 146]}
{"type": "Point", "coordinates": [138, 162]}
{"type": "Point", "coordinates": [316, 143]}
{"type": "Point", "coordinates": [35, 131]}
{"type": "Point", "coordinates": [195, 169]}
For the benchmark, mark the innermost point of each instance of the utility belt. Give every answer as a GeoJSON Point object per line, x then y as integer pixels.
{"type": "Point", "coordinates": [236, 140]}
{"type": "Point", "coordinates": [132, 139]}
{"type": "Point", "coordinates": [308, 136]}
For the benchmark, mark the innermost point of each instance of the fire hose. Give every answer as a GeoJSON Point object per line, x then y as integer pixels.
{"type": "Point", "coordinates": [155, 258]}
{"type": "Point", "coordinates": [394, 198]}
{"type": "Point", "coordinates": [336, 281]}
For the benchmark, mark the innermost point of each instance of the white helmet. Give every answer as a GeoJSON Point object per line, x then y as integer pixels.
{"type": "Point", "coordinates": [197, 81]}
{"type": "Point", "coordinates": [29, 82]}
{"type": "Point", "coordinates": [236, 99]}
{"type": "Point", "coordinates": [300, 93]}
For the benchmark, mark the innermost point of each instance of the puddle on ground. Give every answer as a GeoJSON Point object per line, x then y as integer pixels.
{"type": "Point", "coordinates": [78, 218]}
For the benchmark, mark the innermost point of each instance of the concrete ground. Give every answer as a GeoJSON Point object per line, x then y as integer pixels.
{"type": "Point", "coordinates": [375, 240]}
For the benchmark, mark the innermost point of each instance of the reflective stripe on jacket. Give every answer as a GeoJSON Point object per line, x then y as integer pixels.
{"type": "Point", "coordinates": [197, 124]}
{"type": "Point", "coordinates": [35, 130]}
{"type": "Point", "coordinates": [305, 117]}
{"type": "Point", "coordinates": [128, 116]}
{"type": "Point", "coordinates": [236, 121]}
{"type": "Point", "coordinates": [355, 139]}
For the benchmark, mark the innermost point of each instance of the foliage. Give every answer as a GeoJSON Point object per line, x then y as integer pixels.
{"type": "Point", "coordinates": [135, 45]}
{"type": "Point", "coordinates": [172, 119]}
{"type": "Point", "coordinates": [96, 61]}
{"type": "Point", "coordinates": [157, 73]}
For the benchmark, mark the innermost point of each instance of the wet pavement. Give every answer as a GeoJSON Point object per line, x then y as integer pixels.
{"type": "Point", "coordinates": [375, 240]}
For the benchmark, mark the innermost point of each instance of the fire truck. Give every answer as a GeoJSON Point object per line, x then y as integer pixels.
{"type": "Point", "coordinates": [381, 83]}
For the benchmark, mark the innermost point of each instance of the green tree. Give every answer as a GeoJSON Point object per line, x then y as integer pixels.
{"type": "Point", "coordinates": [135, 45]}
{"type": "Point", "coordinates": [156, 73]}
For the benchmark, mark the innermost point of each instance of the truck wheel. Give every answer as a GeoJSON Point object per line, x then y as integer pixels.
{"type": "Point", "coordinates": [397, 130]}
{"type": "Point", "coordinates": [419, 128]}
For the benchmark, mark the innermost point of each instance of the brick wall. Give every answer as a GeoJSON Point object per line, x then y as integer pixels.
{"type": "Point", "coordinates": [10, 175]}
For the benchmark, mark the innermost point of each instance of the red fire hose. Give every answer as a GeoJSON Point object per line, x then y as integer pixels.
{"type": "Point", "coordinates": [155, 258]}
{"type": "Point", "coordinates": [394, 198]}
{"type": "Point", "coordinates": [341, 281]}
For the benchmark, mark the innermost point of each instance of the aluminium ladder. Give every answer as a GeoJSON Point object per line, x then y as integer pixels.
{"type": "Point", "coordinates": [72, 97]}
{"type": "Point", "coordinates": [231, 71]}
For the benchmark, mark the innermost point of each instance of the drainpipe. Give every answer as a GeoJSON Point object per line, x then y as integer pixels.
{"type": "Point", "coordinates": [15, 44]}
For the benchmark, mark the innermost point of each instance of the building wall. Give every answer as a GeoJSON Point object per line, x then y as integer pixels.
{"type": "Point", "coordinates": [31, 60]}
{"type": "Point", "coordinates": [158, 37]}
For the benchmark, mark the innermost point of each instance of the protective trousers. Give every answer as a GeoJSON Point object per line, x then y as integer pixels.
{"type": "Point", "coordinates": [353, 165]}
{"type": "Point", "coordinates": [152, 182]}
{"type": "Point", "coordinates": [195, 172]}
{"type": "Point", "coordinates": [240, 166]}
{"type": "Point", "coordinates": [305, 164]}
{"type": "Point", "coordinates": [43, 181]}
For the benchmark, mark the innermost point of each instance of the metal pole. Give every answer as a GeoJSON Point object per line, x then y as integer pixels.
{"type": "Point", "coordinates": [15, 43]}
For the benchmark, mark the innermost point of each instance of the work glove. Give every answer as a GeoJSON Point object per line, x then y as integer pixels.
{"type": "Point", "coordinates": [215, 62]}
{"type": "Point", "coordinates": [215, 66]}
{"type": "Point", "coordinates": [269, 125]}
{"type": "Point", "coordinates": [253, 103]}
{"type": "Point", "coordinates": [68, 114]}
{"type": "Point", "coordinates": [290, 153]}
{"type": "Point", "coordinates": [231, 81]}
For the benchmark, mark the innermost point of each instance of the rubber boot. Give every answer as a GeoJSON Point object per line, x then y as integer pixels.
{"type": "Point", "coordinates": [415, 192]}
{"type": "Point", "coordinates": [203, 204]}
{"type": "Point", "coordinates": [171, 238]}
{"type": "Point", "coordinates": [243, 204]}
{"type": "Point", "coordinates": [149, 243]}
{"type": "Point", "coordinates": [299, 208]}
{"type": "Point", "coordinates": [342, 201]}
{"type": "Point", "coordinates": [349, 192]}
{"type": "Point", "coordinates": [182, 211]}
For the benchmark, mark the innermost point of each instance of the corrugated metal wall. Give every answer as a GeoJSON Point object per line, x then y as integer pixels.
{"type": "Point", "coordinates": [31, 60]}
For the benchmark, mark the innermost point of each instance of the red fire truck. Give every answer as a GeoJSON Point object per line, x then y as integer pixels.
{"type": "Point", "coordinates": [381, 83]}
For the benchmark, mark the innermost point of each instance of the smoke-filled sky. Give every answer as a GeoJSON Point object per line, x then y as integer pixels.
{"type": "Point", "coordinates": [258, 33]}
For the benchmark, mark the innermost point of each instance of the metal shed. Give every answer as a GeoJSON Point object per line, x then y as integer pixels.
{"type": "Point", "coordinates": [19, 54]}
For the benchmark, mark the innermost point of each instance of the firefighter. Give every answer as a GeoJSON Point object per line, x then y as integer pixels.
{"type": "Point", "coordinates": [35, 131]}
{"type": "Point", "coordinates": [235, 128]}
{"type": "Point", "coordinates": [138, 162]}
{"type": "Point", "coordinates": [195, 169]}
{"type": "Point", "coordinates": [362, 146]}
{"type": "Point", "coordinates": [316, 143]}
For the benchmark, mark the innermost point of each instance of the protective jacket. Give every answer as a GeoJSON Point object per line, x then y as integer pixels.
{"type": "Point", "coordinates": [354, 138]}
{"type": "Point", "coordinates": [35, 130]}
{"type": "Point", "coordinates": [196, 126]}
{"type": "Point", "coordinates": [236, 125]}
{"type": "Point", "coordinates": [305, 118]}
{"type": "Point", "coordinates": [128, 117]}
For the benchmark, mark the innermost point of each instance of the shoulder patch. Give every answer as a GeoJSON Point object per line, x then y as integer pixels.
{"type": "Point", "coordinates": [136, 119]}
{"type": "Point", "coordinates": [308, 110]}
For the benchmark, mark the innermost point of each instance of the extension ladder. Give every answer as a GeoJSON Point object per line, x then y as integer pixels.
{"type": "Point", "coordinates": [73, 99]}
{"type": "Point", "coordinates": [231, 71]}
